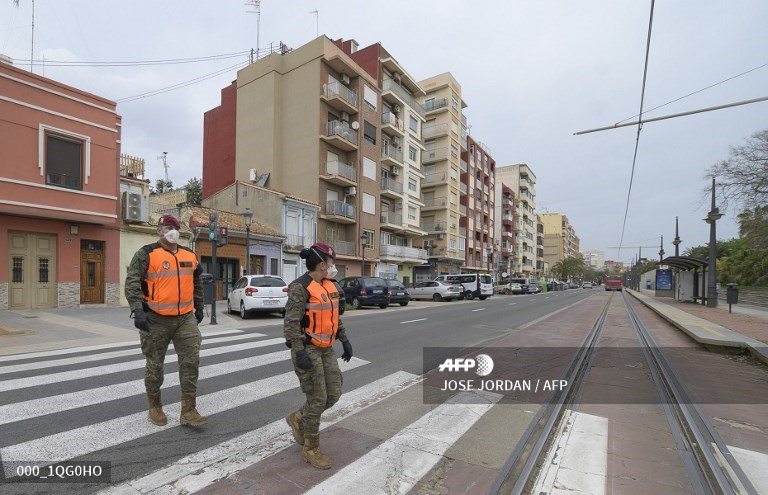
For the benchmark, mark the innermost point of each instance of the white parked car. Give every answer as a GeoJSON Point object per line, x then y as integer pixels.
{"type": "Point", "coordinates": [436, 290]}
{"type": "Point", "coordinates": [586, 285]}
{"type": "Point", "coordinates": [258, 293]}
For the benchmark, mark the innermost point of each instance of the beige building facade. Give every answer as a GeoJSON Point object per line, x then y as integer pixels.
{"type": "Point", "coordinates": [560, 239]}
{"type": "Point", "coordinates": [521, 179]}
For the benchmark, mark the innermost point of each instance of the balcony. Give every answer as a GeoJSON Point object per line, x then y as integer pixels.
{"type": "Point", "coordinates": [391, 219]}
{"type": "Point", "coordinates": [434, 155]}
{"type": "Point", "coordinates": [463, 188]}
{"type": "Point", "coordinates": [439, 104]}
{"type": "Point", "coordinates": [463, 231]}
{"type": "Point", "coordinates": [463, 166]}
{"type": "Point", "coordinates": [434, 131]}
{"type": "Point", "coordinates": [392, 125]}
{"type": "Point", "coordinates": [432, 226]}
{"type": "Point", "coordinates": [402, 253]}
{"type": "Point", "coordinates": [391, 188]}
{"type": "Point", "coordinates": [462, 210]}
{"type": "Point", "coordinates": [342, 247]}
{"type": "Point", "coordinates": [340, 135]}
{"type": "Point", "coordinates": [391, 155]}
{"type": "Point", "coordinates": [506, 233]}
{"type": "Point", "coordinates": [435, 203]}
{"type": "Point", "coordinates": [435, 179]}
{"type": "Point", "coordinates": [339, 97]}
{"type": "Point", "coordinates": [339, 211]}
{"type": "Point", "coordinates": [392, 92]}
{"type": "Point", "coordinates": [339, 173]}
{"type": "Point", "coordinates": [463, 140]}
{"type": "Point", "coordinates": [296, 243]}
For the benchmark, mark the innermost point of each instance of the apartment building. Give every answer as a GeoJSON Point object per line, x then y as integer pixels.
{"type": "Point", "coordinates": [444, 141]}
{"type": "Point", "coordinates": [594, 258]}
{"type": "Point", "coordinates": [59, 194]}
{"type": "Point", "coordinates": [504, 229]}
{"type": "Point", "coordinates": [328, 123]}
{"type": "Point", "coordinates": [521, 179]}
{"type": "Point", "coordinates": [477, 205]}
{"type": "Point", "coordinates": [560, 239]}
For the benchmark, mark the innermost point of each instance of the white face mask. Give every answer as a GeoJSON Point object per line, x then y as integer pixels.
{"type": "Point", "coordinates": [172, 236]}
{"type": "Point", "coordinates": [332, 271]}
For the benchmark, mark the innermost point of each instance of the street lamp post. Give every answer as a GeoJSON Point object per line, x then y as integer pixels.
{"type": "Point", "coordinates": [248, 215]}
{"type": "Point", "coordinates": [712, 217]}
{"type": "Point", "coordinates": [363, 242]}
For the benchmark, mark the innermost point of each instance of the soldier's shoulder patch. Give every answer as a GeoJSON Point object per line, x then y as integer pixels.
{"type": "Point", "coordinates": [166, 265]}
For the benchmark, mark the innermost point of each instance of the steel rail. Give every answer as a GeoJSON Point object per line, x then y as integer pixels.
{"type": "Point", "coordinates": [699, 443]}
{"type": "Point", "coordinates": [518, 472]}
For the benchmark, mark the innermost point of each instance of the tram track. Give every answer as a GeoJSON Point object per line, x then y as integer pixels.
{"type": "Point", "coordinates": [707, 460]}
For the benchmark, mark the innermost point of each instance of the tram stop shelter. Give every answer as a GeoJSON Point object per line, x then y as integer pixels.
{"type": "Point", "coordinates": [690, 278]}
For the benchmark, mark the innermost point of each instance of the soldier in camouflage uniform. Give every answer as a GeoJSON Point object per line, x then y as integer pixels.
{"type": "Point", "coordinates": [165, 294]}
{"type": "Point", "coordinates": [311, 326]}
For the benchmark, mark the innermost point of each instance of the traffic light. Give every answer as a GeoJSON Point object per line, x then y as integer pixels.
{"type": "Point", "coordinates": [223, 237]}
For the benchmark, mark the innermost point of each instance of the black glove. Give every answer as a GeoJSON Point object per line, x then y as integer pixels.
{"type": "Point", "coordinates": [347, 351]}
{"type": "Point", "coordinates": [303, 361]}
{"type": "Point", "coordinates": [199, 315]}
{"type": "Point", "coordinates": [141, 320]}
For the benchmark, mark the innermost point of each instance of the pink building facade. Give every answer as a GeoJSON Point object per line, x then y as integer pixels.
{"type": "Point", "coordinates": [59, 194]}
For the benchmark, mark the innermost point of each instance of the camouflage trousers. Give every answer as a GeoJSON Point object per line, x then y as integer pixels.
{"type": "Point", "coordinates": [183, 332]}
{"type": "Point", "coordinates": [321, 385]}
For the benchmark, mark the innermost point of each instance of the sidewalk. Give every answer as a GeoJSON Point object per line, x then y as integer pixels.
{"type": "Point", "coordinates": [746, 327]}
{"type": "Point", "coordinates": [53, 329]}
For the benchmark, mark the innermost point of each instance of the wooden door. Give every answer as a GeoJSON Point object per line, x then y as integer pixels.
{"type": "Point", "coordinates": [91, 272]}
{"type": "Point", "coordinates": [32, 269]}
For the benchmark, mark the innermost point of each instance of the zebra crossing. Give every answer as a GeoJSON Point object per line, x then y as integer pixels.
{"type": "Point", "coordinates": [88, 404]}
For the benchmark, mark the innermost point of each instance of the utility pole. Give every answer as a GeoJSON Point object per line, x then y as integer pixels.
{"type": "Point", "coordinates": [677, 240]}
{"type": "Point", "coordinates": [712, 217]}
{"type": "Point", "coordinates": [212, 227]}
{"type": "Point", "coordinates": [165, 164]}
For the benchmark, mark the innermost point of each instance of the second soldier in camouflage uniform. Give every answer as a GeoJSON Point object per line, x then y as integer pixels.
{"type": "Point", "coordinates": [165, 293]}
{"type": "Point", "coordinates": [312, 324]}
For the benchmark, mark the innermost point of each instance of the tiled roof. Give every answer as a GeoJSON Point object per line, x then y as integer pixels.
{"type": "Point", "coordinates": [198, 217]}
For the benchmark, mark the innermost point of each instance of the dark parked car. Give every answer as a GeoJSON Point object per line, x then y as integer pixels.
{"type": "Point", "coordinates": [365, 291]}
{"type": "Point", "coordinates": [398, 293]}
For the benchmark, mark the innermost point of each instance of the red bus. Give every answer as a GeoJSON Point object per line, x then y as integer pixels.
{"type": "Point", "coordinates": [613, 282]}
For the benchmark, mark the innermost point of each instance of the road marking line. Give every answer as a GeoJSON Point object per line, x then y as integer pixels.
{"type": "Point", "coordinates": [412, 321]}
{"type": "Point", "coordinates": [48, 405]}
{"type": "Point", "coordinates": [72, 350]}
{"type": "Point", "coordinates": [196, 471]}
{"type": "Point", "coordinates": [753, 464]}
{"type": "Point", "coordinates": [396, 465]}
{"type": "Point", "coordinates": [136, 351]}
{"type": "Point", "coordinates": [511, 304]}
{"type": "Point", "coordinates": [87, 439]}
{"type": "Point", "coordinates": [34, 381]}
{"type": "Point", "coordinates": [478, 309]}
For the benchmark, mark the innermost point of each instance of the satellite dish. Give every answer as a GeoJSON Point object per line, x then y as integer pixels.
{"type": "Point", "coordinates": [355, 125]}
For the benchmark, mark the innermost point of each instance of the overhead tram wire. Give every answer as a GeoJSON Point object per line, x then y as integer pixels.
{"type": "Point", "coordinates": [138, 63]}
{"type": "Point", "coordinates": [639, 126]}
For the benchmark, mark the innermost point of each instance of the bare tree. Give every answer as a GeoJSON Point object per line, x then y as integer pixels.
{"type": "Point", "coordinates": [742, 179]}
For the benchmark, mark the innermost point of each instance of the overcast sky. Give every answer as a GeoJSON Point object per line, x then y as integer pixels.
{"type": "Point", "coordinates": [532, 74]}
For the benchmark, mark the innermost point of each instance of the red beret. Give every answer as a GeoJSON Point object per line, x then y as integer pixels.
{"type": "Point", "coordinates": [170, 221]}
{"type": "Point", "coordinates": [324, 249]}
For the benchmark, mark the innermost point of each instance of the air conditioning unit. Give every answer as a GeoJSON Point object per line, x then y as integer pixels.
{"type": "Point", "coordinates": [440, 237]}
{"type": "Point", "coordinates": [345, 79]}
{"type": "Point", "coordinates": [350, 191]}
{"type": "Point", "coordinates": [396, 108]}
{"type": "Point", "coordinates": [344, 117]}
{"type": "Point", "coordinates": [395, 171]}
{"type": "Point", "coordinates": [396, 141]}
{"type": "Point", "coordinates": [254, 175]}
{"type": "Point", "coordinates": [135, 208]}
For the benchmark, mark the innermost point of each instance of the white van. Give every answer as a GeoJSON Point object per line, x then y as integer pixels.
{"type": "Point", "coordinates": [475, 285]}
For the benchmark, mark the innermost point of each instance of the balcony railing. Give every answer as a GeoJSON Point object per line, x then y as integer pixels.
{"type": "Point", "coordinates": [335, 89]}
{"type": "Point", "coordinates": [462, 210]}
{"type": "Point", "coordinates": [339, 128]}
{"type": "Point", "coordinates": [339, 208]}
{"type": "Point", "coordinates": [392, 119]}
{"type": "Point", "coordinates": [436, 178]}
{"type": "Point", "coordinates": [341, 169]}
{"type": "Point", "coordinates": [437, 104]}
{"type": "Point", "coordinates": [295, 242]}
{"type": "Point", "coordinates": [131, 166]}
{"type": "Point", "coordinates": [433, 226]}
{"type": "Point", "coordinates": [464, 120]}
{"type": "Point", "coordinates": [403, 252]}
{"type": "Point", "coordinates": [463, 231]}
{"type": "Point", "coordinates": [431, 131]}
{"type": "Point", "coordinates": [463, 166]}
{"type": "Point", "coordinates": [463, 188]}
{"type": "Point", "coordinates": [344, 247]}
{"type": "Point", "coordinates": [432, 155]}
{"type": "Point", "coordinates": [392, 218]}
{"type": "Point", "coordinates": [432, 202]}
{"type": "Point", "coordinates": [390, 151]}
{"type": "Point", "coordinates": [391, 85]}
{"type": "Point", "coordinates": [391, 185]}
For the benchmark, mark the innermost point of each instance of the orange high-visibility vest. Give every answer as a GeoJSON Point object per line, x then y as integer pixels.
{"type": "Point", "coordinates": [321, 321]}
{"type": "Point", "coordinates": [169, 285]}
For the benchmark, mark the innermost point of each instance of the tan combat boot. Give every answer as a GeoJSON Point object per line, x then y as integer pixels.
{"type": "Point", "coordinates": [294, 421]}
{"type": "Point", "coordinates": [156, 414]}
{"type": "Point", "coordinates": [311, 452]}
{"type": "Point", "coordinates": [189, 415]}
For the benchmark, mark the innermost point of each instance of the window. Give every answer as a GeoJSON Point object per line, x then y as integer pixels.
{"type": "Point", "coordinates": [369, 203]}
{"type": "Point", "coordinates": [369, 132]}
{"type": "Point", "coordinates": [18, 270]}
{"type": "Point", "coordinates": [43, 262]}
{"type": "Point", "coordinates": [369, 168]}
{"type": "Point", "coordinates": [454, 174]}
{"type": "Point", "coordinates": [454, 198]}
{"type": "Point", "coordinates": [455, 127]}
{"type": "Point", "coordinates": [462, 244]}
{"type": "Point", "coordinates": [453, 244]}
{"type": "Point", "coordinates": [454, 150]}
{"type": "Point", "coordinates": [411, 213]}
{"type": "Point", "coordinates": [412, 185]}
{"type": "Point", "coordinates": [369, 96]}
{"type": "Point", "coordinates": [63, 161]}
{"type": "Point", "coordinates": [454, 102]}
{"type": "Point", "coordinates": [413, 154]}
{"type": "Point", "coordinates": [413, 124]}
{"type": "Point", "coordinates": [273, 268]}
